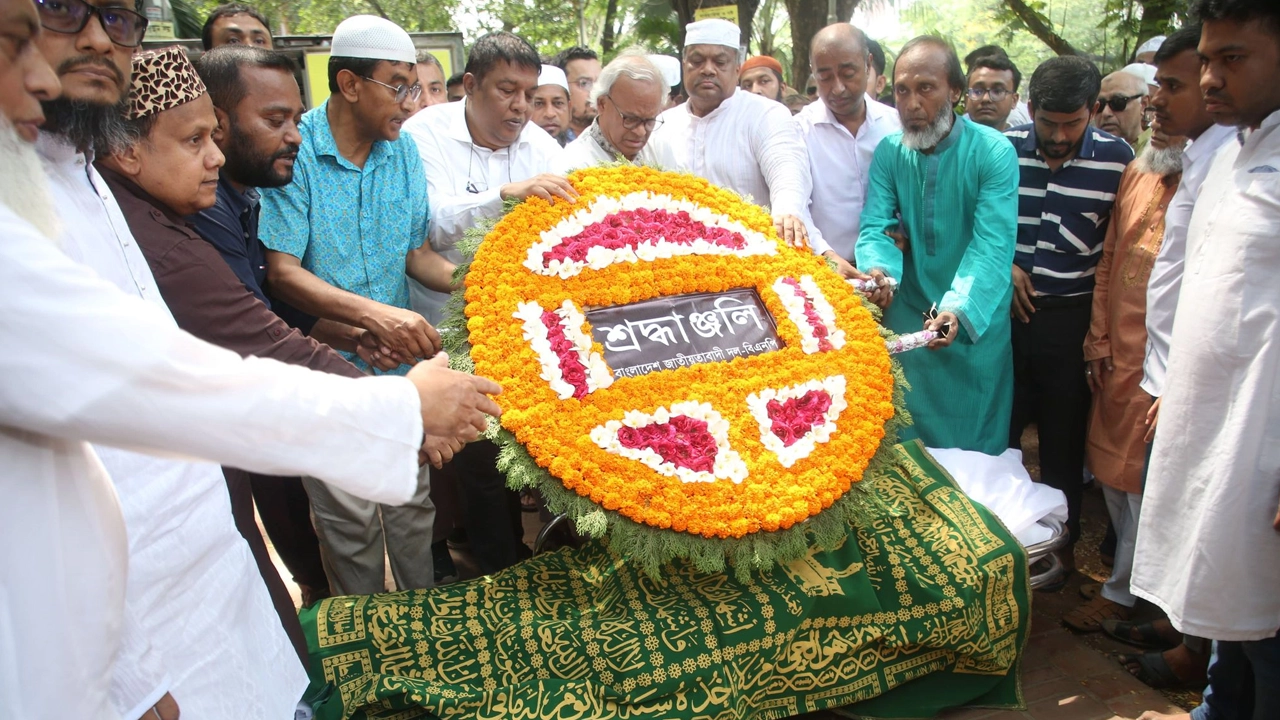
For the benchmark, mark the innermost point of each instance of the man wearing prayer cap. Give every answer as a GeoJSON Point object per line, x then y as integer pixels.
{"type": "Point", "coordinates": [762, 75]}
{"type": "Point", "coordinates": [341, 240]}
{"type": "Point", "coordinates": [734, 139]}
{"type": "Point", "coordinates": [1146, 52]}
{"type": "Point", "coordinates": [630, 94]}
{"type": "Point", "coordinates": [550, 105]}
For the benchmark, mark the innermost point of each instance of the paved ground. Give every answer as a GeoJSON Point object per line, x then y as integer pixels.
{"type": "Point", "coordinates": [1065, 676]}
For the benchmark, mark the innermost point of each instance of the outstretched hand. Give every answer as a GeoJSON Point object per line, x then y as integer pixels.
{"type": "Point", "coordinates": [546, 186]}
{"type": "Point", "coordinates": [454, 404]}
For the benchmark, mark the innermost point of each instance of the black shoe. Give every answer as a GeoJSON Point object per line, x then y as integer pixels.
{"type": "Point", "coordinates": [445, 571]}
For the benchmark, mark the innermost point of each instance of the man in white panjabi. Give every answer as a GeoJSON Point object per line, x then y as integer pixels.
{"type": "Point", "coordinates": [734, 139]}
{"type": "Point", "coordinates": [483, 151]}
{"type": "Point", "coordinates": [1208, 549]}
{"type": "Point", "coordinates": [110, 367]}
{"type": "Point", "coordinates": [629, 96]}
{"type": "Point", "coordinates": [841, 130]}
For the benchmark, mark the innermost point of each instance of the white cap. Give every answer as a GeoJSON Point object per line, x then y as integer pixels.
{"type": "Point", "coordinates": [1142, 70]}
{"type": "Point", "coordinates": [713, 32]}
{"type": "Point", "coordinates": [372, 38]}
{"type": "Point", "coordinates": [1151, 45]}
{"type": "Point", "coordinates": [552, 75]}
{"type": "Point", "coordinates": [669, 67]}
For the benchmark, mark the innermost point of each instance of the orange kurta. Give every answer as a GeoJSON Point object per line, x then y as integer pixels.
{"type": "Point", "coordinates": [1116, 451]}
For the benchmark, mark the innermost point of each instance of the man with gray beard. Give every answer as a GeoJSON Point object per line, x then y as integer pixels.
{"type": "Point", "coordinates": [1115, 348]}
{"type": "Point", "coordinates": [952, 185]}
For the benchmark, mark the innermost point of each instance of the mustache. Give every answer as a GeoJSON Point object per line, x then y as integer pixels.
{"type": "Point", "coordinates": [70, 64]}
{"type": "Point", "coordinates": [290, 151]}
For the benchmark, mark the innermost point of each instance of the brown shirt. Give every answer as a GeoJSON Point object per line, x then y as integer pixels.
{"type": "Point", "coordinates": [204, 295]}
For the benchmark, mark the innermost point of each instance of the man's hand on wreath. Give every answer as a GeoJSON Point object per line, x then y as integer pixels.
{"type": "Point", "coordinates": [844, 267]}
{"type": "Point", "coordinates": [454, 404]}
{"type": "Point", "coordinates": [791, 229]}
{"type": "Point", "coordinates": [546, 186]}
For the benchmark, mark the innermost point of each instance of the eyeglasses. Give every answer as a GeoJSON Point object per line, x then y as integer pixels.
{"type": "Point", "coordinates": [1117, 103]}
{"type": "Point", "coordinates": [632, 122]}
{"type": "Point", "coordinates": [997, 94]}
{"type": "Point", "coordinates": [125, 27]}
{"type": "Point", "coordinates": [412, 92]}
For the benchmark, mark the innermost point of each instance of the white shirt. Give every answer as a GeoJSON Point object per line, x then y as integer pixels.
{"type": "Point", "coordinates": [181, 536]}
{"type": "Point", "coordinates": [1207, 553]}
{"type": "Point", "coordinates": [454, 163]}
{"type": "Point", "coordinates": [839, 163]}
{"type": "Point", "coordinates": [748, 144]}
{"type": "Point", "coordinates": [1166, 272]}
{"type": "Point", "coordinates": [583, 152]}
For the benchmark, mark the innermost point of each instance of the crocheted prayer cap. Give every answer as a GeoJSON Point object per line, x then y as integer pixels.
{"type": "Point", "coordinates": [712, 32]}
{"type": "Point", "coordinates": [372, 38]}
{"type": "Point", "coordinates": [552, 75]}
{"type": "Point", "coordinates": [162, 80]}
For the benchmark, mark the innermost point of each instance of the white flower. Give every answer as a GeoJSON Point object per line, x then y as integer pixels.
{"type": "Point", "coordinates": [728, 464]}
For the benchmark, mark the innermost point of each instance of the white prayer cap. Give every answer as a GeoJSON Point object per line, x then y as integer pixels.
{"type": "Point", "coordinates": [552, 75]}
{"type": "Point", "coordinates": [715, 31]}
{"type": "Point", "coordinates": [1142, 70]}
{"type": "Point", "coordinates": [372, 38]}
{"type": "Point", "coordinates": [1151, 45]}
{"type": "Point", "coordinates": [669, 67]}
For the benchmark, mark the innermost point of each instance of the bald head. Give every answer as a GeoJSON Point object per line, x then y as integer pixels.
{"type": "Point", "coordinates": [842, 35]}
{"type": "Point", "coordinates": [1126, 82]}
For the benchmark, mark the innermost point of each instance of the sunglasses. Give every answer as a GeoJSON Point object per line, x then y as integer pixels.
{"type": "Point", "coordinates": [413, 92]}
{"type": "Point", "coordinates": [1117, 103]}
{"type": "Point", "coordinates": [125, 27]}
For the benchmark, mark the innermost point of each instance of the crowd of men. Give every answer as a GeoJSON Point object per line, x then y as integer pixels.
{"type": "Point", "coordinates": [195, 265]}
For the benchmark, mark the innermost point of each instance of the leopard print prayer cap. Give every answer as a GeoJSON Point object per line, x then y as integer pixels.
{"type": "Point", "coordinates": [162, 80]}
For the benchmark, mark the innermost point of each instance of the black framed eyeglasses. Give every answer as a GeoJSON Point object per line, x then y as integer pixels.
{"type": "Point", "coordinates": [413, 92]}
{"type": "Point", "coordinates": [997, 94]}
{"type": "Point", "coordinates": [1117, 103]}
{"type": "Point", "coordinates": [125, 27]}
{"type": "Point", "coordinates": [632, 122]}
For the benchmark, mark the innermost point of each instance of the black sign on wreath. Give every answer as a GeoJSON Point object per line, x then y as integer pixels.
{"type": "Point", "coordinates": [682, 330]}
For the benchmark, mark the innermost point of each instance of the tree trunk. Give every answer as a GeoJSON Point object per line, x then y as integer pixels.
{"type": "Point", "coordinates": [1157, 18]}
{"type": "Point", "coordinates": [807, 18]}
{"type": "Point", "coordinates": [609, 36]}
{"type": "Point", "coordinates": [1039, 26]}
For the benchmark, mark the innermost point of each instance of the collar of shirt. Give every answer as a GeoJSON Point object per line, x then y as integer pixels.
{"type": "Point", "coordinates": [135, 202]}
{"type": "Point", "coordinates": [876, 113]}
{"type": "Point", "coordinates": [957, 129]}
{"type": "Point", "coordinates": [596, 134]}
{"type": "Point", "coordinates": [239, 202]}
{"type": "Point", "coordinates": [324, 144]}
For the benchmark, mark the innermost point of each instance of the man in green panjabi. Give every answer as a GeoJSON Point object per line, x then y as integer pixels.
{"type": "Point", "coordinates": [947, 191]}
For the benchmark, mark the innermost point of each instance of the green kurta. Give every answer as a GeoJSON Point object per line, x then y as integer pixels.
{"type": "Point", "coordinates": [960, 208]}
{"type": "Point", "coordinates": [923, 609]}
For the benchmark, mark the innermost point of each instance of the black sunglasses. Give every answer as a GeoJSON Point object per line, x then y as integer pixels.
{"type": "Point", "coordinates": [124, 27]}
{"type": "Point", "coordinates": [1118, 103]}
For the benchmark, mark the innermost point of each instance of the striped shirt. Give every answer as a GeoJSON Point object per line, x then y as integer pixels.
{"type": "Point", "coordinates": [1063, 214]}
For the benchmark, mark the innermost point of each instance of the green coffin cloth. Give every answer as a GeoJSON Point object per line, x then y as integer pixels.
{"type": "Point", "coordinates": [925, 609]}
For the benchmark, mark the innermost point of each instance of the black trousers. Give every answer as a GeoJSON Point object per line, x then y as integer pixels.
{"type": "Point", "coordinates": [285, 511]}
{"type": "Point", "coordinates": [1050, 390]}
{"type": "Point", "coordinates": [491, 512]}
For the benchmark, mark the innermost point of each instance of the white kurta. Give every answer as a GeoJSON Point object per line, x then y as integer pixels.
{"type": "Point", "coordinates": [748, 144]}
{"type": "Point", "coordinates": [1207, 553]}
{"type": "Point", "coordinates": [839, 163]}
{"type": "Point", "coordinates": [125, 376]}
{"type": "Point", "coordinates": [583, 152]}
{"type": "Point", "coordinates": [1166, 272]}
{"type": "Point", "coordinates": [464, 182]}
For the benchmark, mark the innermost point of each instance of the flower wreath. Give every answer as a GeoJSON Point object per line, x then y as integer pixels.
{"type": "Point", "coordinates": [737, 459]}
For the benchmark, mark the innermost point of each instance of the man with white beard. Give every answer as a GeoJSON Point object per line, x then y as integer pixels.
{"type": "Point", "coordinates": [101, 366]}
{"type": "Point", "coordinates": [1115, 348]}
{"type": "Point", "coordinates": [952, 185]}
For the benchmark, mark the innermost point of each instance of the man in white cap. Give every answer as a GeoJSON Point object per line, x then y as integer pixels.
{"type": "Point", "coordinates": [1146, 52]}
{"type": "Point", "coordinates": [630, 95]}
{"type": "Point", "coordinates": [478, 154]}
{"type": "Point", "coordinates": [550, 106]}
{"type": "Point", "coordinates": [341, 237]}
{"type": "Point", "coordinates": [734, 139]}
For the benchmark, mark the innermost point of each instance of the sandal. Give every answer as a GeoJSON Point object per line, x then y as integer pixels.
{"type": "Point", "coordinates": [1140, 635]}
{"type": "Point", "coordinates": [1153, 671]}
{"type": "Point", "coordinates": [1088, 617]}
